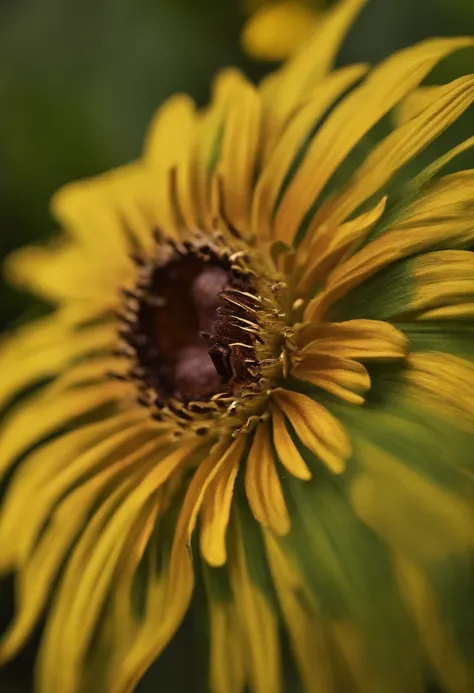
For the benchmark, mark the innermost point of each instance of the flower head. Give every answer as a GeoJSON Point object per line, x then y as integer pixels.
{"type": "Point", "coordinates": [257, 384]}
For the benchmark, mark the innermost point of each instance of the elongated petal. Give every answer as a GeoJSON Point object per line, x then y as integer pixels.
{"type": "Point", "coordinates": [41, 564]}
{"type": "Point", "coordinates": [328, 246]}
{"type": "Point", "coordinates": [385, 86]}
{"type": "Point", "coordinates": [307, 632]}
{"type": "Point", "coordinates": [46, 474]}
{"type": "Point", "coordinates": [287, 451]}
{"type": "Point", "coordinates": [167, 154]}
{"type": "Point", "coordinates": [317, 429]}
{"type": "Point", "coordinates": [354, 339]}
{"type": "Point", "coordinates": [448, 103]}
{"type": "Point", "coordinates": [216, 506]}
{"type": "Point", "coordinates": [282, 93]}
{"type": "Point", "coordinates": [281, 158]}
{"type": "Point", "coordinates": [80, 599]}
{"type": "Point", "coordinates": [440, 218]}
{"type": "Point", "coordinates": [263, 486]}
{"type": "Point", "coordinates": [240, 145]}
{"type": "Point", "coordinates": [341, 377]}
{"type": "Point", "coordinates": [42, 414]}
{"type": "Point", "coordinates": [410, 511]}
{"type": "Point", "coordinates": [44, 348]}
{"type": "Point", "coordinates": [445, 383]}
{"type": "Point", "coordinates": [258, 623]}
{"type": "Point", "coordinates": [436, 638]}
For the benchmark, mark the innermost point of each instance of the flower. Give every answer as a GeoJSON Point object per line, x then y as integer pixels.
{"type": "Point", "coordinates": [258, 385]}
{"type": "Point", "coordinates": [276, 28]}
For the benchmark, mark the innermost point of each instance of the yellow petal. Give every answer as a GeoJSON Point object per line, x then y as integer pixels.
{"type": "Point", "coordinates": [444, 383]}
{"type": "Point", "coordinates": [281, 157]}
{"type": "Point", "coordinates": [327, 246]}
{"type": "Point", "coordinates": [102, 212]}
{"type": "Point", "coordinates": [43, 348]}
{"type": "Point", "coordinates": [258, 624]}
{"type": "Point", "coordinates": [167, 149]}
{"type": "Point", "coordinates": [42, 414]}
{"type": "Point", "coordinates": [263, 486]}
{"type": "Point", "coordinates": [442, 279]}
{"type": "Point", "coordinates": [441, 218]}
{"type": "Point", "coordinates": [227, 666]}
{"type": "Point", "coordinates": [435, 636]}
{"type": "Point", "coordinates": [217, 504]}
{"type": "Point", "coordinates": [448, 103]}
{"type": "Point", "coordinates": [283, 91]}
{"type": "Point", "coordinates": [384, 87]}
{"type": "Point", "coordinates": [307, 633]}
{"type": "Point", "coordinates": [240, 145]}
{"type": "Point", "coordinates": [360, 340]}
{"type": "Point", "coordinates": [408, 510]}
{"type": "Point", "coordinates": [340, 377]}
{"type": "Point", "coordinates": [275, 31]}
{"type": "Point", "coordinates": [287, 451]}
{"type": "Point", "coordinates": [90, 570]}
{"type": "Point", "coordinates": [317, 429]}
{"type": "Point", "coordinates": [41, 563]}
{"type": "Point", "coordinates": [51, 467]}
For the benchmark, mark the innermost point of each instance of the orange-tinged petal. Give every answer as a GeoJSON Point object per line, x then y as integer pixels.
{"type": "Point", "coordinates": [287, 451]}
{"type": "Point", "coordinates": [263, 486]}
{"type": "Point", "coordinates": [316, 427]}
{"type": "Point", "coordinates": [382, 90]}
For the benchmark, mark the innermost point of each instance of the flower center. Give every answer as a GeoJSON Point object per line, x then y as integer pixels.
{"type": "Point", "coordinates": [205, 327]}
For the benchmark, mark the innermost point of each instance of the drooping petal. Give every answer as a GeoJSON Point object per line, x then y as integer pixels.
{"type": "Point", "coordinates": [317, 429]}
{"type": "Point", "coordinates": [263, 486]}
{"type": "Point", "coordinates": [287, 451]}
{"type": "Point", "coordinates": [90, 571]}
{"type": "Point", "coordinates": [309, 636]}
{"type": "Point", "coordinates": [40, 564]}
{"type": "Point", "coordinates": [257, 620]}
{"type": "Point", "coordinates": [216, 505]}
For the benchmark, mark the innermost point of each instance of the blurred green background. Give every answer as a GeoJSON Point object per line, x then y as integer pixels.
{"type": "Point", "coordinates": [80, 80]}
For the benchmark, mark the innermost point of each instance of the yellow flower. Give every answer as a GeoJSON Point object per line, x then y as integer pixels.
{"type": "Point", "coordinates": [258, 385]}
{"type": "Point", "coordinates": [276, 28]}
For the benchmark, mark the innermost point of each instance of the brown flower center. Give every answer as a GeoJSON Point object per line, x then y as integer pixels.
{"type": "Point", "coordinates": [204, 329]}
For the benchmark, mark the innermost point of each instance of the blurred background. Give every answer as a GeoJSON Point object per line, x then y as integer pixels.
{"type": "Point", "coordinates": [79, 82]}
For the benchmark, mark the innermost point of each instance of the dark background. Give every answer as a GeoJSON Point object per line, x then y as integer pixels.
{"type": "Point", "coordinates": [79, 82]}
